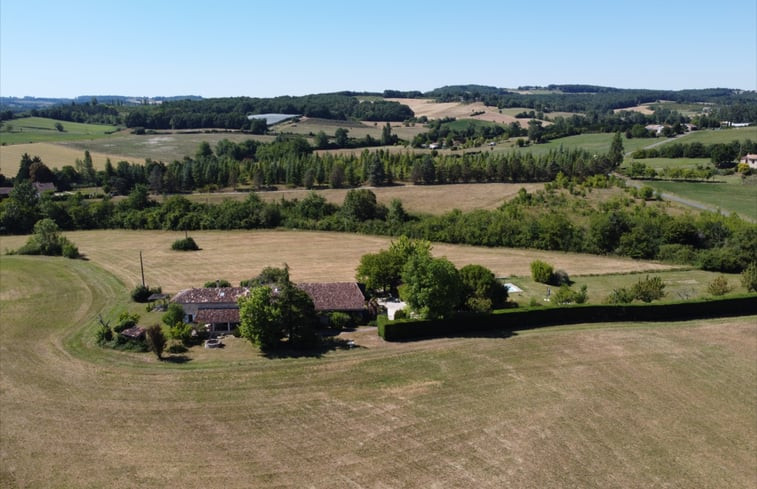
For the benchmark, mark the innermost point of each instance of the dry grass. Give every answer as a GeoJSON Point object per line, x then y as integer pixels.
{"type": "Point", "coordinates": [632, 405]}
{"type": "Point", "coordinates": [643, 109]}
{"type": "Point", "coordinates": [458, 110]}
{"type": "Point", "coordinates": [54, 155]}
{"type": "Point", "coordinates": [312, 256]}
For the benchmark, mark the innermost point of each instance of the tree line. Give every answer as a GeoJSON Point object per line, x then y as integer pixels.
{"type": "Point", "coordinates": [552, 219]}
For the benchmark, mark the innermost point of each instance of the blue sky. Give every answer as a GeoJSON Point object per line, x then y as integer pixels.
{"type": "Point", "coordinates": [268, 48]}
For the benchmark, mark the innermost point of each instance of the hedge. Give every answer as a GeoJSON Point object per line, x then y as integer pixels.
{"type": "Point", "coordinates": [536, 317]}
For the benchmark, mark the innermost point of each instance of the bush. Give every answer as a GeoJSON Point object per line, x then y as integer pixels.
{"type": "Point", "coordinates": [480, 305]}
{"type": "Point", "coordinates": [719, 286]}
{"type": "Point", "coordinates": [749, 277]}
{"type": "Point", "coordinates": [400, 314]}
{"type": "Point", "coordinates": [181, 331]}
{"type": "Point", "coordinates": [217, 283]}
{"type": "Point", "coordinates": [70, 250]}
{"type": "Point", "coordinates": [560, 277]}
{"type": "Point", "coordinates": [141, 293]}
{"type": "Point", "coordinates": [126, 321]}
{"type": "Point", "coordinates": [156, 340]}
{"type": "Point", "coordinates": [541, 271]}
{"type": "Point", "coordinates": [339, 320]}
{"type": "Point", "coordinates": [566, 295]}
{"type": "Point", "coordinates": [103, 334]}
{"type": "Point", "coordinates": [648, 289]}
{"type": "Point", "coordinates": [185, 244]}
{"type": "Point", "coordinates": [620, 296]}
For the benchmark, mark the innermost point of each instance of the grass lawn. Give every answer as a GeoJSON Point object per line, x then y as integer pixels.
{"type": "Point", "coordinates": [679, 285]}
{"type": "Point", "coordinates": [731, 196]}
{"type": "Point", "coordinates": [624, 405]}
{"type": "Point", "coordinates": [40, 129]}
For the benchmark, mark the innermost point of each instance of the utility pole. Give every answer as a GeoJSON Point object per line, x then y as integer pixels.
{"type": "Point", "coordinates": [142, 268]}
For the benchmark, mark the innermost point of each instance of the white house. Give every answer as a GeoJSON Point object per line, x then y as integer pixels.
{"type": "Point", "coordinates": [751, 160]}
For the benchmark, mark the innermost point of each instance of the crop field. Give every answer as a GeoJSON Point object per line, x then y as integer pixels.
{"type": "Point", "coordinates": [730, 196]}
{"type": "Point", "coordinates": [39, 129]}
{"type": "Point", "coordinates": [311, 256]}
{"type": "Point", "coordinates": [162, 146]}
{"type": "Point", "coordinates": [54, 155]}
{"type": "Point", "coordinates": [311, 126]}
{"type": "Point", "coordinates": [438, 110]}
{"type": "Point", "coordinates": [595, 406]}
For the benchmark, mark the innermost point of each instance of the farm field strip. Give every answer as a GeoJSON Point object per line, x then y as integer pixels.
{"type": "Point", "coordinates": [311, 256]}
{"type": "Point", "coordinates": [624, 406]}
{"type": "Point", "coordinates": [729, 197]}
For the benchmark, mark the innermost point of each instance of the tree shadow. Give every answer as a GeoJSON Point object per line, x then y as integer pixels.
{"type": "Point", "coordinates": [326, 345]}
{"type": "Point", "coordinates": [491, 334]}
{"type": "Point", "coordinates": [178, 359]}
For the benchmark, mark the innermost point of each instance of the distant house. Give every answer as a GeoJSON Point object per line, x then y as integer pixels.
{"type": "Point", "coordinates": [655, 128]}
{"type": "Point", "coordinates": [751, 160]}
{"type": "Point", "coordinates": [218, 308]}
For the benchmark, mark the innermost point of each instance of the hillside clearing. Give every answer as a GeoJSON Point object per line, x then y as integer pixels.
{"type": "Point", "coordinates": [630, 405]}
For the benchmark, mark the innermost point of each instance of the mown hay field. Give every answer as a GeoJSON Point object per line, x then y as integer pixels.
{"type": "Point", "coordinates": [627, 405]}
{"type": "Point", "coordinates": [311, 256]}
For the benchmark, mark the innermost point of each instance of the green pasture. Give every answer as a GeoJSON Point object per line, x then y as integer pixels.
{"type": "Point", "coordinates": [715, 136]}
{"type": "Point", "coordinates": [679, 285]}
{"type": "Point", "coordinates": [731, 195]}
{"type": "Point", "coordinates": [660, 163]}
{"type": "Point", "coordinates": [596, 143]}
{"type": "Point", "coordinates": [40, 129]}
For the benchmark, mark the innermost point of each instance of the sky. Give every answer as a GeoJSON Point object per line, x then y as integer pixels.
{"type": "Point", "coordinates": [219, 48]}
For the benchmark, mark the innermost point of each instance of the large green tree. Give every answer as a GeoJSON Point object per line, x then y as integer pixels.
{"type": "Point", "coordinates": [481, 291]}
{"type": "Point", "coordinates": [432, 286]}
{"type": "Point", "coordinates": [616, 150]}
{"type": "Point", "coordinates": [271, 314]}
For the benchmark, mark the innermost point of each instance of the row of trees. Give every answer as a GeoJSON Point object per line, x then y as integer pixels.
{"type": "Point", "coordinates": [719, 153]}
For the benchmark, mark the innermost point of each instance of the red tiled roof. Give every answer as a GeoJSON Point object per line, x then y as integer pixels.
{"type": "Point", "coordinates": [335, 296]}
{"type": "Point", "coordinates": [215, 316]}
{"type": "Point", "coordinates": [135, 332]}
{"type": "Point", "coordinates": [210, 295]}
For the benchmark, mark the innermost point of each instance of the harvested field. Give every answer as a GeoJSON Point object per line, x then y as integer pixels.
{"type": "Point", "coordinates": [629, 405]}
{"type": "Point", "coordinates": [55, 155]}
{"type": "Point", "coordinates": [458, 110]}
{"type": "Point", "coordinates": [312, 256]}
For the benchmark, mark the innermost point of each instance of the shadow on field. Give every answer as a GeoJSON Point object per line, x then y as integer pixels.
{"type": "Point", "coordinates": [494, 334]}
{"type": "Point", "coordinates": [327, 345]}
{"type": "Point", "coordinates": [177, 359]}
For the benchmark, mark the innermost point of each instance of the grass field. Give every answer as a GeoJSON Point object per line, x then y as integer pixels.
{"type": "Point", "coordinates": [714, 136]}
{"type": "Point", "coordinates": [597, 143]}
{"type": "Point", "coordinates": [311, 256]}
{"type": "Point", "coordinates": [591, 406]}
{"type": "Point", "coordinates": [311, 126]}
{"type": "Point", "coordinates": [426, 199]}
{"type": "Point", "coordinates": [54, 155]}
{"type": "Point", "coordinates": [660, 163]}
{"type": "Point", "coordinates": [39, 129]}
{"type": "Point", "coordinates": [730, 196]}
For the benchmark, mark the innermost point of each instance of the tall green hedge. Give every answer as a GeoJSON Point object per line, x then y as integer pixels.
{"type": "Point", "coordinates": [528, 318]}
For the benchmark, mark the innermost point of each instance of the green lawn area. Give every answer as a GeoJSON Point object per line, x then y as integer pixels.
{"type": "Point", "coordinates": [659, 163]}
{"type": "Point", "coordinates": [40, 129]}
{"type": "Point", "coordinates": [713, 136]}
{"type": "Point", "coordinates": [732, 195]}
{"type": "Point", "coordinates": [597, 143]}
{"type": "Point", "coordinates": [679, 285]}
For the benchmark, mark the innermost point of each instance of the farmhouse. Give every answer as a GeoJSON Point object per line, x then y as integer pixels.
{"type": "Point", "coordinates": [751, 160]}
{"type": "Point", "coordinates": [218, 307]}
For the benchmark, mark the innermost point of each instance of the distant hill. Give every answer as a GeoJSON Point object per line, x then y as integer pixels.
{"type": "Point", "coordinates": [21, 104]}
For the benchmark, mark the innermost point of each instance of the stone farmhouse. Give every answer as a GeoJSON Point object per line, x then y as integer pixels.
{"type": "Point", "coordinates": [218, 308]}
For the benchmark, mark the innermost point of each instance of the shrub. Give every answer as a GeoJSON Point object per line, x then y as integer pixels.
{"type": "Point", "coordinates": [141, 293]}
{"type": "Point", "coordinates": [126, 321]}
{"type": "Point", "coordinates": [174, 314]}
{"type": "Point", "coordinates": [156, 340]}
{"type": "Point", "coordinates": [481, 305]}
{"type": "Point", "coordinates": [566, 295]}
{"type": "Point", "coordinates": [185, 244]}
{"type": "Point", "coordinates": [560, 277]}
{"type": "Point", "coordinates": [719, 286]}
{"type": "Point", "coordinates": [749, 277]}
{"type": "Point", "coordinates": [648, 289]}
{"type": "Point", "coordinates": [217, 283]}
{"type": "Point", "coordinates": [103, 334]}
{"type": "Point", "coordinates": [339, 320]}
{"type": "Point", "coordinates": [181, 331]}
{"type": "Point", "coordinates": [400, 314]}
{"type": "Point", "coordinates": [70, 250]}
{"type": "Point", "coordinates": [541, 271]}
{"type": "Point", "coordinates": [620, 296]}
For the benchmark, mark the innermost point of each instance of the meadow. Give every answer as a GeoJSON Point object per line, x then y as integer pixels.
{"type": "Point", "coordinates": [719, 136]}
{"type": "Point", "coordinates": [731, 195]}
{"type": "Point", "coordinates": [39, 129]}
{"type": "Point", "coordinates": [597, 143]}
{"type": "Point", "coordinates": [595, 406]}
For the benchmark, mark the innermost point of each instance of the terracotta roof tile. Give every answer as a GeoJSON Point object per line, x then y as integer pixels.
{"type": "Point", "coordinates": [215, 295]}
{"type": "Point", "coordinates": [335, 296]}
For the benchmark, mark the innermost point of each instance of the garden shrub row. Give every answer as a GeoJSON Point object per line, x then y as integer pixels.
{"type": "Point", "coordinates": [536, 317]}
